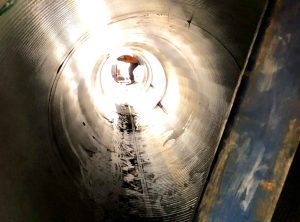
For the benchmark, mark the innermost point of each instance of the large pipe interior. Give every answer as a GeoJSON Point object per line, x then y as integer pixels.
{"type": "Point", "coordinates": [78, 146]}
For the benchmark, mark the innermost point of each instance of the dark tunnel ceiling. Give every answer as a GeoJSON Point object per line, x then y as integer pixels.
{"type": "Point", "coordinates": [77, 146]}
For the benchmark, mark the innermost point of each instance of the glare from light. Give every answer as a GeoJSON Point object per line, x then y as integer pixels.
{"type": "Point", "coordinates": [93, 14]}
{"type": "Point", "coordinates": [172, 96]}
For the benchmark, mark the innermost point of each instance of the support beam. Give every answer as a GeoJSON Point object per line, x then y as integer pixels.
{"type": "Point", "coordinates": [262, 136]}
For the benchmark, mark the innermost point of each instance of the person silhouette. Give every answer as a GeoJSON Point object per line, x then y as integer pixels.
{"type": "Point", "coordinates": [134, 62]}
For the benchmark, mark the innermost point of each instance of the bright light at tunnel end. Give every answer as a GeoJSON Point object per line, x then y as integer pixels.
{"type": "Point", "coordinates": [145, 94]}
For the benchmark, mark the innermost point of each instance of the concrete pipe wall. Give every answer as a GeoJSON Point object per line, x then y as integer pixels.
{"type": "Point", "coordinates": [76, 145]}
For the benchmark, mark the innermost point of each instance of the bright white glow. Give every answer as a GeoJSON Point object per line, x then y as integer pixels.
{"type": "Point", "coordinates": [123, 69]}
{"type": "Point", "coordinates": [70, 81]}
{"type": "Point", "coordinates": [93, 14]}
{"type": "Point", "coordinates": [172, 95]}
{"type": "Point", "coordinates": [141, 96]}
{"type": "Point", "coordinates": [103, 45]}
{"type": "Point", "coordinates": [139, 73]}
{"type": "Point", "coordinates": [134, 95]}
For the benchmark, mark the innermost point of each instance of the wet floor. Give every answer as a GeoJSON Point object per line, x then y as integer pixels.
{"type": "Point", "coordinates": [78, 146]}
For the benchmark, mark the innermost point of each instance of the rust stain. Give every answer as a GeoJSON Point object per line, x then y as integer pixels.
{"type": "Point", "coordinates": [212, 190]}
{"type": "Point", "coordinates": [266, 205]}
{"type": "Point", "coordinates": [261, 211]}
{"type": "Point", "coordinates": [267, 185]}
{"type": "Point", "coordinates": [269, 43]}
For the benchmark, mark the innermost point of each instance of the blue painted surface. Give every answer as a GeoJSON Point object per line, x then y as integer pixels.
{"type": "Point", "coordinates": [270, 103]}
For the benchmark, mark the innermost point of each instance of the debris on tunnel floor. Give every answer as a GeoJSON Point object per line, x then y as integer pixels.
{"type": "Point", "coordinates": [138, 152]}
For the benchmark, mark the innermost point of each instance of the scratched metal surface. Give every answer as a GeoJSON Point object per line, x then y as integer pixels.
{"type": "Point", "coordinates": [265, 132]}
{"type": "Point", "coordinates": [71, 150]}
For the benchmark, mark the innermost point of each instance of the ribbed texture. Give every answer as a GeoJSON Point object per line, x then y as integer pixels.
{"type": "Point", "coordinates": [132, 164]}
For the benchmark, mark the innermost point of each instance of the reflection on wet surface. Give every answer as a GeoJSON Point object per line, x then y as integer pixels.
{"type": "Point", "coordinates": [115, 152]}
{"type": "Point", "coordinates": [126, 144]}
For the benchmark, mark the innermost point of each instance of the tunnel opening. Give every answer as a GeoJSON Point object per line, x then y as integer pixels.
{"type": "Point", "coordinates": [137, 151]}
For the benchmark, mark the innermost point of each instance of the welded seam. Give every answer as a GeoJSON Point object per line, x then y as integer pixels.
{"type": "Point", "coordinates": [54, 141]}
{"type": "Point", "coordinates": [140, 165]}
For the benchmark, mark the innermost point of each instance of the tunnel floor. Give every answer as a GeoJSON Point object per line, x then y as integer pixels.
{"type": "Point", "coordinates": [80, 143]}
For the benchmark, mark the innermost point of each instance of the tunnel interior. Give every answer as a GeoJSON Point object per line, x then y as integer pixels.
{"type": "Point", "coordinates": [79, 145]}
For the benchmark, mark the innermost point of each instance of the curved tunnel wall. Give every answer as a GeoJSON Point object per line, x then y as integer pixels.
{"type": "Point", "coordinates": [75, 149]}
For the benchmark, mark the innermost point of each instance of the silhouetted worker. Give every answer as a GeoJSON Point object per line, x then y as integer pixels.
{"type": "Point", "coordinates": [134, 62]}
